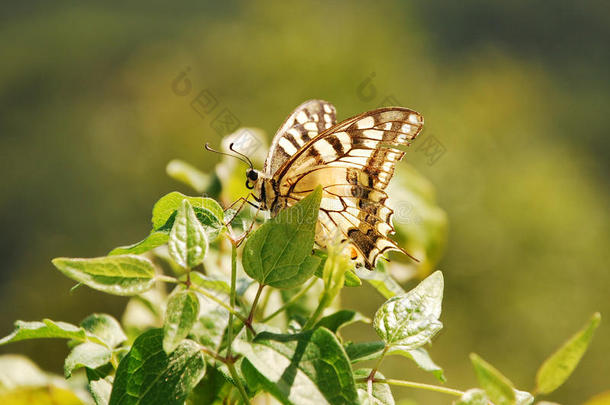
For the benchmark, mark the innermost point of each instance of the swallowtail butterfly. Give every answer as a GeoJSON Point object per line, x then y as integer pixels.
{"type": "Point", "coordinates": [352, 160]}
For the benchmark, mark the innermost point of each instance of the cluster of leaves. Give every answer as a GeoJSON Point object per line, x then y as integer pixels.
{"type": "Point", "coordinates": [214, 339]}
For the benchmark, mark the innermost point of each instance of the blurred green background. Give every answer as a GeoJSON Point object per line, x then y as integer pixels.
{"type": "Point", "coordinates": [515, 93]}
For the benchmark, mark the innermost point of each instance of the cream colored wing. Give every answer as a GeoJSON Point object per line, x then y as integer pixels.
{"type": "Point", "coordinates": [353, 161]}
{"type": "Point", "coordinates": [306, 122]}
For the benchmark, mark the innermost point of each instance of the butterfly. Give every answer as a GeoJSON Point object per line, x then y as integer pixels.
{"type": "Point", "coordinates": [353, 161]}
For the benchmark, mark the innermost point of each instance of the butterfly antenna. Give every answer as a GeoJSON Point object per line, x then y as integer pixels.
{"type": "Point", "coordinates": [209, 148]}
{"type": "Point", "coordinates": [241, 154]}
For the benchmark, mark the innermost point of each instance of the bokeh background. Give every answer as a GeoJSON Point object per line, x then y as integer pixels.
{"type": "Point", "coordinates": [515, 93]}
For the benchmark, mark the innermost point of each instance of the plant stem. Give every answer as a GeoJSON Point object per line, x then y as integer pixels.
{"type": "Point", "coordinates": [254, 304]}
{"type": "Point", "coordinates": [213, 354]}
{"type": "Point", "coordinates": [220, 302]}
{"type": "Point", "coordinates": [167, 279]}
{"type": "Point", "coordinates": [374, 370]}
{"type": "Point", "coordinates": [230, 337]}
{"type": "Point", "coordinates": [314, 317]}
{"type": "Point", "coordinates": [265, 301]}
{"type": "Point", "coordinates": [232, 299]}
{"type": "Point", "coordinates": [411, 384]}
{"type": "Point", "coordinates": [240, 387]}
{"type": "Point", "coordinates": [292, 300]}
{"type": "Point", "coordinates": [205, 293]}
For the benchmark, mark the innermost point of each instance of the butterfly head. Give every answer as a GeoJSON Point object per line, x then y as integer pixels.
{"type": "Point", "coordinates": [252, 177]}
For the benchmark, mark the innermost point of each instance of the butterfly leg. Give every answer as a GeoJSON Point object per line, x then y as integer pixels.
{"type": "Point", "coordinates": [243, 202]}
{"type": "Point", "coordinates": [238, 240]}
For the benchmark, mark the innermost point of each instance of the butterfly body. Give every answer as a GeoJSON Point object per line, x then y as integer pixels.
{"type": "Point", "coordinates": [353, 161]}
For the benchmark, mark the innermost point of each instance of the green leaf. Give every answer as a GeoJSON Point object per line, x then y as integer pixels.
{"type": "Point", "coordinates": [100, 383]}
{"type": "Point", "coordinates": [499, 389]}
{"type": "Point", "coordinates": [29, 374]}
{"type": "Point", "coordinates": [165, 209]}
{"type": "Point", "coordinates": [181, 314]}
{"type": "Point", "coordinates": [155, 239]}
{"type": "Point", "coordinates": [208, 283]}
{"type": "Point", "coordinates": [475, 396]}
{"type": "Point", "coordinates": [381, 280]}
{"type": "Point", "coordinates": [363, 351]}
{"type": "Point", "coordinates": [557, 368]}
{"type": "Point", "coordinates": [372, 350]}
{"type": "Point", "coordinates": [119, 275]}
{"type": "Point", "coordinates": [351, 279]}
{"type": "Point", "coordinates": [23, 383]}
{"type": "Point", "coordinates": [340, 319]}
{"type": "Point", "coordinates": [189, 175]}
{"type": "Point", "coordinates": [147, 375]}
{"type": "Point", "coordinates": [603, 398]}
{"type": "Point", "coordinates": [381, 392]}
{"type": "Point", "coordinates": [421, 357]}
{"type": "Point", "coordinates": [48, 329]}
{"type": "Point", "coordinates": [212, 390]}
{"type": "Point", "coordinates": [89, 355]}
{"type": "Point", "coordinates": [187, 240]}
{"type": "Point", "coordinates": [278, 253]}
{"type": "Point", "coordinates": [210, 326]}
{"type": "Point", "coordinates": [208, 212]}
{"type": "Point", "coordinates": [305, 368]}
{"type": "Point", "coordinates": [106, 328]}
{"type": "Point", "coordinates": [523, 398]}
{"type": "Point", "coordinates": [410, 320]}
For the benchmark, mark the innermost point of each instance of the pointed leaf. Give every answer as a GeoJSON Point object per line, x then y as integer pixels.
{"type": "Point", "coordinates": [382, 394]}
{"type": "Point", "coordinates": [106, 328]}
{"type": "Point", "coordinates": [48, 329]}
{"type": "Point", "coordinates": [602, 398]}
{"type": "Point", "coordinates": [410, 320]}
{"type": "Point", "coordinates": [210, 326]}
{"type": "Point", "coordinates": [100, 383]}
{"type": "Point", "coordinates": [208, 283]}
{"type": "Point", "coordinates": [167, 206]}
{"type": "Point", "coordinates": [421, 357]}
{"type": "Point", "coordinates": [119, 275]}
{"type": "Point", "coordinates": [499, 389]}
{"type": "Point", "coordinates": [279, 252]}
{"type": "Point", "coordinates": [364, 351]}
{"type": "Point", "coordinates": [523, 398]}
{"type": "Point", "coordinates": [381, 280]}
{"type": "Point", "coordinates": [18, 371]}
{"type": "Point", "coordinates": [358, 352]}
{"type": "Point", "coordinates": [557, 368]}
{"type": "Point", "coordinates": [181, 314]}
{"type": "Point", "coordinates": [147, 375]}
{"type": "Point", "coordinates": [89, 355]}
{"type": "Point", "coordinates": [189, 175]}
{"type": "Point", "coordinates": [305, 368]}
{"type": "Point", "coordinates": [340, 319]}
{"type": "Point", "coordinates": [155, 239]}
{"type": "Point", "coordinates": [212, 390]}
{"type": "Point", "coordinates": [187, 240]}
{"type": "Point", "coordinates": [475, 396]}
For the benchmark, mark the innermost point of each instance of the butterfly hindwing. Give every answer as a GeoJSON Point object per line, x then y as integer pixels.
{"type": "Point", "coordinates": [353, 161]}
{"type": "Point", "coordinates": [306, 122]}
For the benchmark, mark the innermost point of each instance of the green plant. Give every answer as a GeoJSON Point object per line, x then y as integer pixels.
{"type": "Point", "coordinates": [219, 338]}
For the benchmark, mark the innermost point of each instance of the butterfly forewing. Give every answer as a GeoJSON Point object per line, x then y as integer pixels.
{"type": "Point", "coordinates": [306, 122]}
{"type": "Point", "coordinates": [353, 161]}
